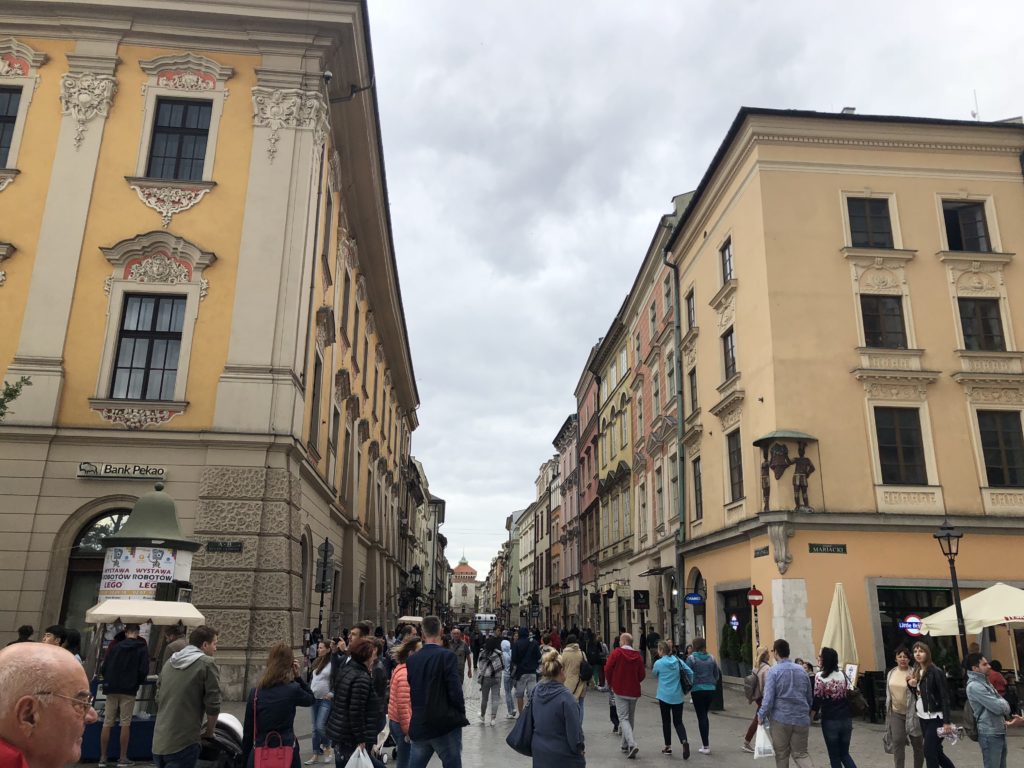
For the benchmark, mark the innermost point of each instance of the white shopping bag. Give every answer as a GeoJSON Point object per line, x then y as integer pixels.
{"type": "Point", "coordinates": [359, 759]}
{"type": "Point", "coordinates": [763, 743]}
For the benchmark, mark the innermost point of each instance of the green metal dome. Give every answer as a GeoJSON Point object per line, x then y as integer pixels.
{"type": "Point", "coordinates": [153, 522]}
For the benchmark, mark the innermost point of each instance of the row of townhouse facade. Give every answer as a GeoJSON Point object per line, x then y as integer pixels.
{"type": "Point", "coordinates": [200, 283]}
{"type": "Point", "coordinates": [816, 366]}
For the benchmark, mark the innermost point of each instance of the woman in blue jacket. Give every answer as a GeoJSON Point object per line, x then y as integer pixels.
{"type": "Point", "coordinates": [557, 726]}
{"type": "Point", "coordinates": [670, 696]}
{"type": "Point", "coordinates": [706, 674]}
{"type": "Point", "coordinates": [271, 706]}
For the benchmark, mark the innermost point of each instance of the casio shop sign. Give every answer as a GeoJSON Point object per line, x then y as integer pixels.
{"type": "Point", "coordinates": [100, 470]}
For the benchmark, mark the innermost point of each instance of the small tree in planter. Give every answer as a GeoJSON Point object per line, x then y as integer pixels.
{"type": "Point", "coordinates": [729, 651]}
{"type": "Point", "coordinates": [746, 651]}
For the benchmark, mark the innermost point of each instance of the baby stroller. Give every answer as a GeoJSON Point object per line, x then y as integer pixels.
{"type": "Point", "coordinates": [224, 750]}
{"type": "Point", "coordinates": [385, 749]}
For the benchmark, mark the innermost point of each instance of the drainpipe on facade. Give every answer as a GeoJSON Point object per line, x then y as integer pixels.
{"type": "Point", "coordinates": [680, 431]}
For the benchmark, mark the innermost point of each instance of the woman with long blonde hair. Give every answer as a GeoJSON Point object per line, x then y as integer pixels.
{"type": "Point", "coordinates": [270, 706]}
{"type": "Point", "coordinates": [931, 702]}
{"type": "Point", "coordinates": [557, 725]}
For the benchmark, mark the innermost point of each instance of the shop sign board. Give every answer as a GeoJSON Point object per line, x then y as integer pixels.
{"type": "Point", "coordinates": [693, 598]}
{"type": "Point", "coordinates": [911, 625]}
{"type": "Point", "coordinates": [642, 599]}
{"type": "Point", "coordinates": [134, 572]}
{"type": "Point", "coordinates": [100, 470]}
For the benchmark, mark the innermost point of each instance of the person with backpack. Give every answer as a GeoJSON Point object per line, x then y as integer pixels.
{"type": "Point", "coordinates": [988, 710]}
{"type": "Point", "coordinates": [489, 668]}
{"type": "Point", "coordinates": [596, 657]}
{"type": "Point", "coordinates": [831, 688]}
{"type": "Point", "coordinates": [124, 669]}
{"type": "Point", "coordinates": [706, 674]}
{"type": "Point", "coordinates": [525, 660]}
{"type": "Point", "coordinates": [898, 704]}
{"type": "Point", "coordinates": [670, 671]}
{"type": "Point", "coordinates": [753, 689]}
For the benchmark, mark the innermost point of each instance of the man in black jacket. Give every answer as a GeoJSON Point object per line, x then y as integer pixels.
{"type": "Point", "coordinates": [438, 707]}
{"type": "Point", "coordinates": [525, 660]}
{"type": "Point", "coordinates": [124, 669]}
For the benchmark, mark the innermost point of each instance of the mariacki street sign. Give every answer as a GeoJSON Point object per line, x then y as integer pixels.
{"type": "Point", "coordinates": [98, 470]}
{"type": "Point", "coordinates": [827, 549]}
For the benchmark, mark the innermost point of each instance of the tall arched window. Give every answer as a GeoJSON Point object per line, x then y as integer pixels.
{"type": "Point", "coordinates": [85, 567]}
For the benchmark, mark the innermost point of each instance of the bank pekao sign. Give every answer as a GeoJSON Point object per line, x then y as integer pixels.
{"type": "Point", "coordinates": [99, 470]}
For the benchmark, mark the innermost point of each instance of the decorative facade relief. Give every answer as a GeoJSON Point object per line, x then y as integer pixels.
{"type": "Point", "coordinates": [290, 108]}
{"type": "Point", "coordinates": [135, 419]}
{"type": "Point", "coordinates": [7, 175]}
{"type": "Point", "coordinates": [348, 248]}
{"type": "Point", "coordinates": [724, 303]}
{"type": "Point", "coordinates": [371, 324]}
{"type": "Point", "coordinates": [729, 408]}
{"type": "Point", "coordinates": [903, 385]}
{"type": "Point", "coordinates": [325, 327]}
{"type": "Point", "coordinates": [18, 59]}
{"type": "Point", "coordinates": [186, 72]}
{"type": "Point", "coordinates": [85, 97]}
{"type": "Point", "coordinates": [158, 257]}
{"type": "Point", "coordinates": [6, 251]}
{"type": "Point", "coordinates": [779, 535]}
{"type": "Point", "coordinates": [169, 197]}
{"type": "Point", "coordinates": [342, 386]}
{"type": "Point", "coordinates": [360, 289]}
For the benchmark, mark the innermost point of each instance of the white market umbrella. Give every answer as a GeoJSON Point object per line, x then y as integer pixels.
{"type": "Point", "coordinates": [160, 612]}
{"type": "Point", "coordinates": [839, 629]}
{"type": "Point", "coordinates": [999, 604]}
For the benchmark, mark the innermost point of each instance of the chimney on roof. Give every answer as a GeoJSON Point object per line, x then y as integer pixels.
{"type": "Point", "coordinates": [849, 111]}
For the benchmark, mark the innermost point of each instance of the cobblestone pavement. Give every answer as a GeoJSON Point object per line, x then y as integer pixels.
{"type": "Point", "coordinates": [485, 746]}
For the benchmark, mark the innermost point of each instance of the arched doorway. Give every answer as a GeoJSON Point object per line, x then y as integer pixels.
{"type": "Point", "coordinates": [698, 615]}
{"type": "Point", "coordinates": [85, 566]}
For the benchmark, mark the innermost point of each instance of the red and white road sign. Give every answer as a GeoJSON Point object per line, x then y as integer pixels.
{"type": "Point", "coordinates": [755, 597]}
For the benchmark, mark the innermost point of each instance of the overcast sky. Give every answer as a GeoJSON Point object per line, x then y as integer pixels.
{"type": "Point", "coordinates": [531, 147]}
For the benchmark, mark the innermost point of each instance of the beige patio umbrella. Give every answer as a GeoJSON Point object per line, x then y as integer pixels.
{"type": "Point", "coordinates": [999, 604]}
{"type": "Point", "coordinates": [839, 629]}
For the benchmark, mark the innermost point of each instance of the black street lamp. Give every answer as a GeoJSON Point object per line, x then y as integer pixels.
{"type": "Point", "coordinates": [949, 541]}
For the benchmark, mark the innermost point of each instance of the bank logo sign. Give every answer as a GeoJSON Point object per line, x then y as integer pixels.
{"type": "Point", "coordinates": [99, 470]}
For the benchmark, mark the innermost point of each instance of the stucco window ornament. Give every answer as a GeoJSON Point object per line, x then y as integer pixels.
{"type": "Point", "coordinates": [724, 303]}
{"type": "Point", "coordinates": [729, 408]}
{"type": "Point", "coordinates": [158, 257]}
{"type": "Point", "coordinates": [6, 251]}
{"type": "Point", "coordinates": [371, 324]}
{"type": "Point", "coordinates": [361, 288]}
{"type": "Point", "coordinates": [325, 332]}
{"type": "Point", "coordinates": [277, 108]}
{"type": "Point", "coordinates": [186, 72]}
{"type": "Point", "coordinates": [135, 419]}
{"type": "Point", "coordinates": [363, 430]}
{"type": "Point", "coordinates": [342, 386]}
{"type": "Point", "coordinates": [12, 67]}
{"type": "Point", "coordinates": [347, 245]}
{"type": "Point", "coordinates": [168, 197]}
{"type": "Point", "coordinates": [85, 97]}
{"type": "Point", "coordinates": [898, 385]}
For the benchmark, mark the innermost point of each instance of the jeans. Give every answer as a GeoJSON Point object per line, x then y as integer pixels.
{"type": "Point", "coordinates": [898, 724]}
{"type": "Point", "coordinates": [186, 758]}
{"type": "Point", "coordinates": [320, 712]}
{"type": "Point", "coordinates": [506, 682]}
{"type": "Point", "coordinates": [934, 757]}
{"type": "Point", "coordinates": [993, 749]}
{"type": "Point", "coordinates": [701, 705]}
{"type": "Point", "coordinates": [676, 711]}
{"type": "Point", "coordinates": [581, 712]}
{"type": "Point", "coordinates": [599, 674]}
{"type": "Point", "coordinates": [625, 707]}
{"type": "Point", "coordinates": [790, 740]}
{"type": "Point", "coordinates": [447, 747]}
{"type": "Point", "coordinates": [748, 737]}
{"type": "Point", "coordinates": [400, 744]}
{"type": "Point", "coordinates": [837, 733]}
{"type": "Point", "coordinates": [489, 690]}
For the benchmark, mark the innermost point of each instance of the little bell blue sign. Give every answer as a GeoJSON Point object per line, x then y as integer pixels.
{"type": "Point", "coordinates": [693, 598]}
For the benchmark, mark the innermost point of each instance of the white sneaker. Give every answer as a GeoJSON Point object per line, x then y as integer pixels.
{"type": "Point", "coordinates": [328, 757]}
{"type": "Point", "coordinates": [747, 747]}
{"type": "Point", "coordinates": [705, 750]}
{"type": "Point", "coordinates": [312, 760]}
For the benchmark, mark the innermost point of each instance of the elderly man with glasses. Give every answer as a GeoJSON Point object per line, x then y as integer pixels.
{"type": "Point", "coordinates": [44, 706]}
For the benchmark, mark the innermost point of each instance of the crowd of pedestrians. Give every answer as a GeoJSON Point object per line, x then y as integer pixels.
{"type": "Point", "coordinates": [372, 695]}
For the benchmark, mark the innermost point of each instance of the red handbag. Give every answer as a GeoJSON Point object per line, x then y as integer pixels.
{"type": "Point", "coordinates": [268, 756]}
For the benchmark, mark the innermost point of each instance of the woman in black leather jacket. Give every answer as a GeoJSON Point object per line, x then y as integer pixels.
{"type": "Point", "coordinates": [931, 700]}
{"type": "Point", "coordinates": [354, 719]}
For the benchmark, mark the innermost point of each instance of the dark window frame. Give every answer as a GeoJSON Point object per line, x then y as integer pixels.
{"type": "Point", "coordinates": [959, 234]}
{"type": "Point", "coordinates": [1002, 447]}
{"type": "Point", "coordinates": [725, 260]}
{"type": "Point", "coordinates": [899, 439]}
{"type": "Point", "coordinates": [691, 311]}
{"type": "Point", "coordinates": [691, 378]}
{"type": "Point", "coordinates": [734, 448]}
{"type": "Point", "coordinates": [179, 161]}
{"type": "Point", "coordinates": [698, 490]}
{"type": "Point", "coordinates": [880, 322]}
{"type": "Point", "coordinates": [729, 353]}
{"type": "Point", "coordinates": [314, 414]}
{"type": "Point", "coordinates": [870, 227]}
{"type": "Point", "coordinates": [10, 100]}
{"type": "Point", "coordinates": [982, 332]}
{"type": "Point", "coordinates": [152, 338]}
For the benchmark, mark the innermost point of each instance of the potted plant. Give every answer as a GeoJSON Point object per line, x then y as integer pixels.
{"type": "Point", "coordinates": [746, 652]}
{"type": "Point", "coordinates": [729, 651]}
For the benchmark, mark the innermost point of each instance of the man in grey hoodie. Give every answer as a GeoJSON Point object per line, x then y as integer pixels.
{"type": "Point", "coordinates": [990, 712]}
{"type": "Point", "coordinates": [188, 690]}
{"type": "Point", "coordinates": [506, 678]}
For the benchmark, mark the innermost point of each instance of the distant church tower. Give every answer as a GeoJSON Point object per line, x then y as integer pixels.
{"type": "Point", "coordinates": [464, 592]}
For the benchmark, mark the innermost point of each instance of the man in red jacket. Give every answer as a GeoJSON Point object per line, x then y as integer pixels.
{"type": "Point", "coordinates": [624, 671]}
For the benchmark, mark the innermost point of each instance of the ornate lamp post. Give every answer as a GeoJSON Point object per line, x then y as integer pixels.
{"type": "Point", "coordinates": [949, 541]}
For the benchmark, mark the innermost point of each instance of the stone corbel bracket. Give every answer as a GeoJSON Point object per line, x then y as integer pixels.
{"type": "Point", "coordinates": [168, 197]}
{"type": "Point", "coordinates": [779, 535]}
{"type": "Point", "coordinates": [288, 108]}
{"type": "Point", "coordinates": [6, 251]}
{"type": "Point", "coordinates": [85, 96]}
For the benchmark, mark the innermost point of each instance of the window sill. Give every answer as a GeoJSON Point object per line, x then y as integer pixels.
{"type": "Point", "coordinates": [987, 257]}
{"type": "Point", "coordinates": [1003, 500]}
{"type": "Point", "coordinates": [998, 362]}
{"type": "Point", "coordinates": [169, 196]}
{"type": "Point", "coordinates": [136, 415]}
{"type": "Point", "coordinates": [7, 175]}
{"type": "Point", "coordinates": [862, 252]}
{"type": "Point", "coordinates": [893, 359]}
{"type": "Point", "coordinates": [313, 452]}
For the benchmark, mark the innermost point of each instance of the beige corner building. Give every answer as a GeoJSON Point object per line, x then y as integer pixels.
{"type": "Point", "coordinates": [198, 277]}
{"type": "Point", "coordinates": [854, 314]}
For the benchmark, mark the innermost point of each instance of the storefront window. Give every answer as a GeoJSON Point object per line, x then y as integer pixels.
{"type": "Point", "coordinates": [895, 604]}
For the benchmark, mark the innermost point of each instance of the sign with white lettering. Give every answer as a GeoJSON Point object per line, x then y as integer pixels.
{"type": "Point", "coordinates": [827, 549]}
{"type": "Point", "coordinates": [911, 625]}
{"type": "Point", "coordinates": [98, 470]}
{"type": "Point", "coordinates": [134, 572]}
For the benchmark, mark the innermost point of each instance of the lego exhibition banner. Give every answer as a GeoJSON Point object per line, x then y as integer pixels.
{"type": "Point", "coordinates": [134, 572]}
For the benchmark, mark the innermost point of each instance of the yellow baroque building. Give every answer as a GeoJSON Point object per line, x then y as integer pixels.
{"type": "Point", "coordinates": [199, 280]}
{"type": "Point", "coordinates": [853, 301]}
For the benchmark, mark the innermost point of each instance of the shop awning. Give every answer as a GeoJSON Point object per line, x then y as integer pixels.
{"type": "Point", "coordinates": [660, 570]}
{"type": "Point", "coordinates": [160, 612]}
